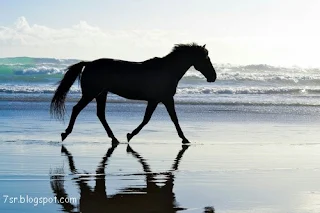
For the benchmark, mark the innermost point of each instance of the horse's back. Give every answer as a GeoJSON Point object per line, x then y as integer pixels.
{"type": "Point", "coordinates": [152, 63]}
{"type": "Point", "coordinates": [109, 64]}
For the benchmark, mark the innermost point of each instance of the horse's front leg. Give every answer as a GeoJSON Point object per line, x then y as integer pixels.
{"type": "Point", "coordinates": [169, 104]}
{"type": "Point", "coordinates": [152, 105]}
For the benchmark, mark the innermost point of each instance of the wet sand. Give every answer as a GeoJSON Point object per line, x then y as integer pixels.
{"type": "Point", "coordinates": [238, 161]}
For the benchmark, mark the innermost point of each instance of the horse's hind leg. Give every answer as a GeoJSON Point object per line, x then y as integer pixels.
{"type": "Point", "coordinates": [150, 109]}
{"type": "Point", "coordinates": [169, 104]}
{"type": "Point", "coordinates": [101, 106]}
{"type": "Point", "coordinates": [75, 112]}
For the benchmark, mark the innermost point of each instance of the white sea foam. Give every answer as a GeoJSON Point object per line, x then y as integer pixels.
{"type": "Point", "coordinates": [9, 88]}
{"type": "Point", "coordinates": [249, 90]}
{"type": "Point", "coordinates": [43, 70]}
{"type": "Point", "coordinates": [5, 88]}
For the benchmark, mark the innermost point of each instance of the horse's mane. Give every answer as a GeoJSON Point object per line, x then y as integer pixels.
{"type": "Point", "coordinates": [186, 48]}
{"type": "Point", "coordinates": [178, 49]}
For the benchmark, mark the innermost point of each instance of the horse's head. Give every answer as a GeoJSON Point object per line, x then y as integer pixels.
{"type": "Point", "coordinates": [202, 63]}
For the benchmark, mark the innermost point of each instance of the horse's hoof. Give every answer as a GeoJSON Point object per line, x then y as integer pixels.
{"type": "Point", "coordinates": [129, 136]}
{"type": "Point", "coordinates": [63, 136]}
{"type": "Point", "coordinates": [185, 141]}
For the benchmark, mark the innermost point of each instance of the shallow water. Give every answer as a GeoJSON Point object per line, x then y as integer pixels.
{"type": "Point", "coordinates": [241, 159]}
{"type": "Point", "coordinates": [230, 177]}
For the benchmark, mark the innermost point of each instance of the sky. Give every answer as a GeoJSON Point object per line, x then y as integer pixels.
{"type": "Point", "coordinates": [275, 32]}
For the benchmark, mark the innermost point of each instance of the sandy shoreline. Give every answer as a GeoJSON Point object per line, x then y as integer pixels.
{"type": "Point", "coordinates": [239, 161]}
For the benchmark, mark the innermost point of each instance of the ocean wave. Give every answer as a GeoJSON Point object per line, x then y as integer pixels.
{"type": "Point", "coordinates": [6, 69]}
{"type": "Point", "coordinates": [41, 70]}
{"type": "Point", "coordinates": [249, 90]}
{"type": "Point", "coordinates": [72, 99]}
{"type": "Point", "coordinates": [48, 73]}
{"type": "Point", "coordinates": [180, 90]}
{"type": "Point", "coordinates": [48, 69]}
{"type": "Point", "coordinates": [30, 60]}
{"type": "Point", "coordinates": [265, 67]}
{"type": "Point", "coordinates": [238, 76]}
{"type": "Point", "coordinates": [32, 89]}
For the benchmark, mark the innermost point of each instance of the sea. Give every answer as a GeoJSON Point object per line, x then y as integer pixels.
{"type": "Point", "coordinates": [35, 79]}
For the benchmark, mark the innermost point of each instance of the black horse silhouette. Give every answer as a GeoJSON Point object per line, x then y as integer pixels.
{"type": "Point", "coordinates": [151, 198]}
{"type": "Point", "coordinates": [154, 80]}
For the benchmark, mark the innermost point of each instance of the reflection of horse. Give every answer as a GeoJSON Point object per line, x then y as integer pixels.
{"type": "Point", "coordinates": [154, 80]}
{"type": "Point", "coordinates": [151, 198]}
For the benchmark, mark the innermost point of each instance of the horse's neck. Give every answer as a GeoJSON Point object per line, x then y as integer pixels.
{"type": "Point", "coordinates": [180, 67]}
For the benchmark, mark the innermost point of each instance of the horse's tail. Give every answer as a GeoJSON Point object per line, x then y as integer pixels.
{"type": "Point", "coordinates": [57, 108]}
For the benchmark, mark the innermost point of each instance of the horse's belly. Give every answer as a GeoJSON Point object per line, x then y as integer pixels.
{"type": "Point", "coordinates": [136, 94]}
{"type": "Point", "coordinates": [131, 95]}
{"type": "Point", "coordinates": [143, 91]}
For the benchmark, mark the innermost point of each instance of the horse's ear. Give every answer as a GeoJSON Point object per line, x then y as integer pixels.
{"type": "Point", "coordinates": [204, 46]}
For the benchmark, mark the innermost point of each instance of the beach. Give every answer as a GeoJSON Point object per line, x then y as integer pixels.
{"type": "Point", "coordinates": [239, 160]}
{"type": "Point", "coordinates": [254, 147]}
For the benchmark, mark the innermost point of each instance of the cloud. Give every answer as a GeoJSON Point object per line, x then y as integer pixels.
{"type": "Point", "coordinates": [86, 41]}
{"type": "Point", "coordinates": [81, 41]}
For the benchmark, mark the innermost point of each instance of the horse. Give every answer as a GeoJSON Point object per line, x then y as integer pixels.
{"type": "Point", "coordinates": [154, 80]}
